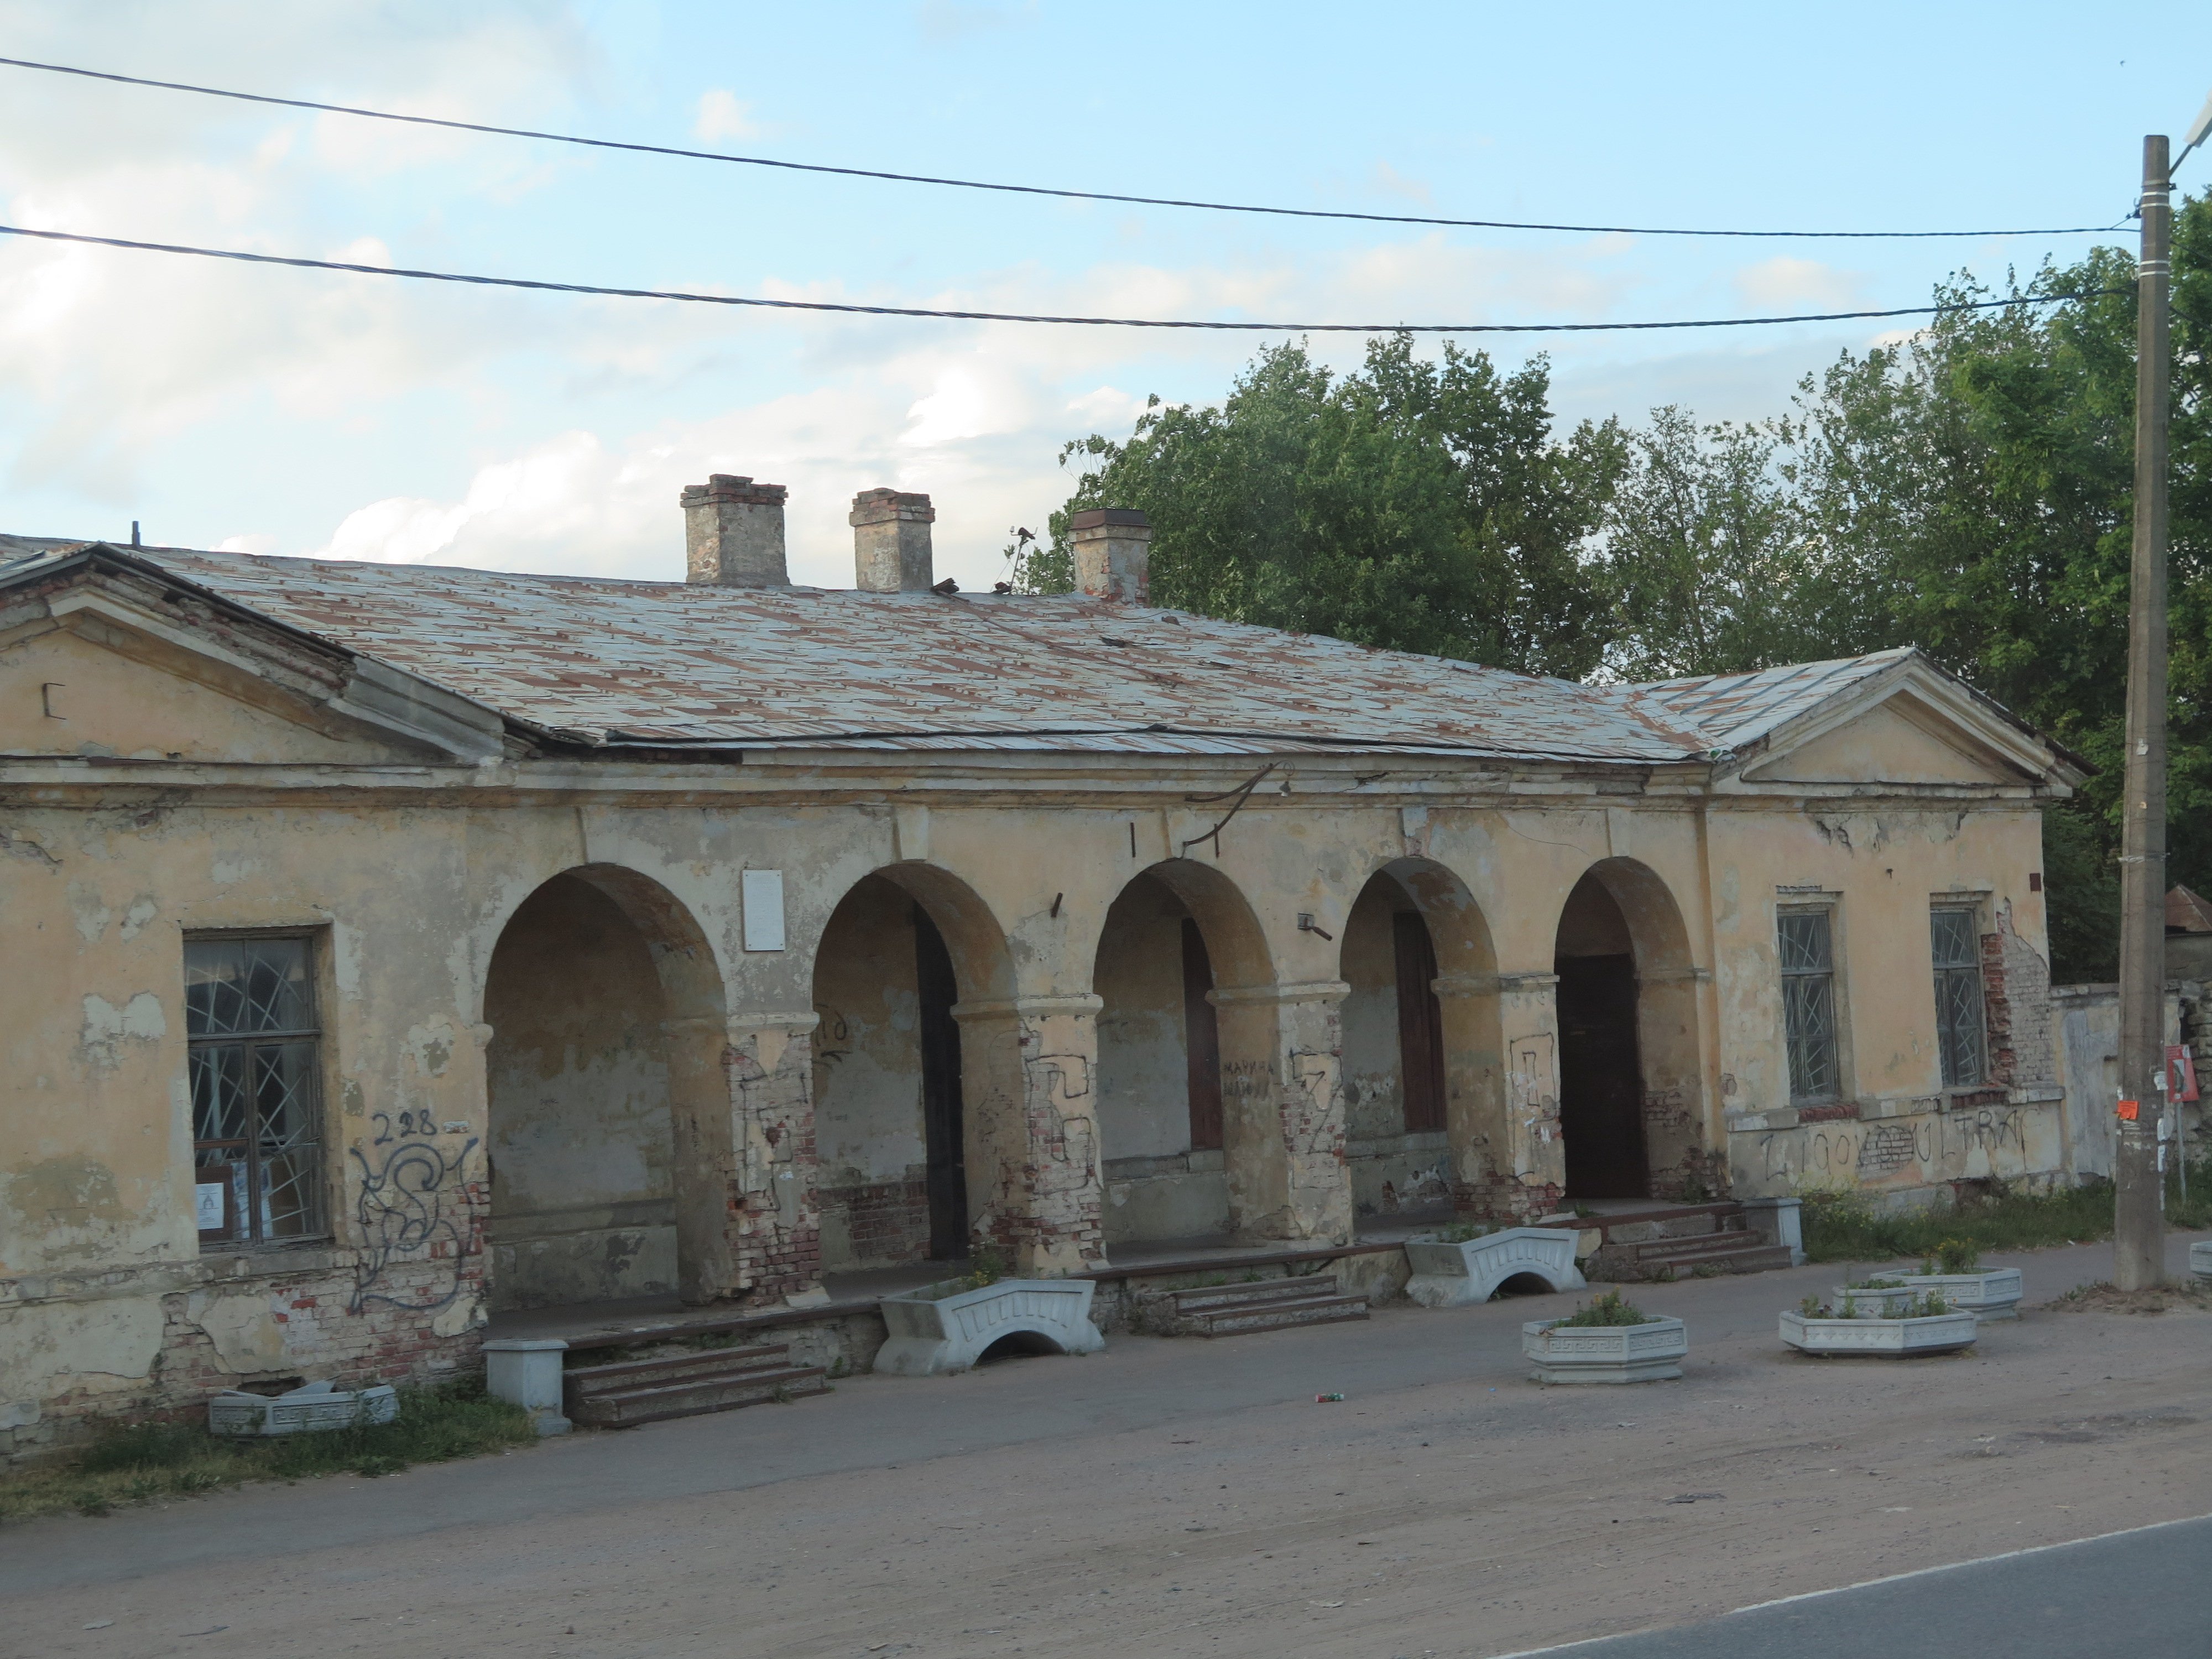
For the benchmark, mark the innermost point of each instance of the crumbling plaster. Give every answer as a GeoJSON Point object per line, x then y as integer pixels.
{"type": "Point", "coordinates": [412, 875]}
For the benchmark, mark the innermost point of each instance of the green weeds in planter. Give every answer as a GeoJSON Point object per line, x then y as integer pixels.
{"type": "Point", "coordinates": [1926, 1306]}
{"type": "Point", "coordinates": [1611, 1309]}
{"type": "Point", "coordinates": [144, 1462]}
{"type": "Point", "coordinates": [985, 1266]}
{"type": "Point", "coordinates": [1461, 1231]}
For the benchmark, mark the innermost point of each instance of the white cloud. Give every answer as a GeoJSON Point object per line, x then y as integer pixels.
{"type": "Point", "coordinates": [722, 115]}
{"type": "Point", "coordinates": [1786, 281]}
{"type": "Point", "coordinates": [1385, 180]}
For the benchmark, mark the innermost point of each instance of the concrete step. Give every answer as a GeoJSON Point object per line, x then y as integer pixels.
{"type": "Point", "coordinates": [1276, 1314]}
{"type": "Point", "coordinates": [1297, 1287]}
{"type": "Point", "coordinates": [583, 1381]}
{"type": "Point", "coordinates": [684, 1384]}
{"type": "Point", "coordinates": [1754, 1255]}
{"type": "Point", "coordinates": [1692, 1249]}
{"type": "Point", "coordinates": [624, 1408]}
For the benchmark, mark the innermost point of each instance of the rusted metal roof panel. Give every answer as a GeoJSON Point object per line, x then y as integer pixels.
{"type": "Point", "coordinates": [1731, 710]}
{"type": "Point", "coordinates": [662, 664]}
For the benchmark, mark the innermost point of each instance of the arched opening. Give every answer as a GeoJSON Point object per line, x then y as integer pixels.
{"type": "Point", "coordinates": [1601, 1076]}
{"type": "Point", "coordinates": [1395, 1080]}
{"type": "Point", "coordinates": [1522, 1284]}
{"type": "Point", "coordinates": [1630, 1094]}
{"type": "Point", "coordinates": [1169, 1135]}
{"type": "Point", "coordinates": [895, 1106]}
{"type": "Point", "coordinates": [606, 1008]}
{"type": "Point", "coordinates": [1018, 1344]}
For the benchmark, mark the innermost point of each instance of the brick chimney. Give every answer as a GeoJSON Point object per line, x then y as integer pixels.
{"type": "Point", "coordinates": [891, 542]}
{"type": "Point", "coordinates": [733, 532]}
{"type": "Point", "coordinates": [1113, 557]}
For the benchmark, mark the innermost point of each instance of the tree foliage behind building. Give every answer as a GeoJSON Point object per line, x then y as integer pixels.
{"type": "Point", "coordinates": [1967, 490]}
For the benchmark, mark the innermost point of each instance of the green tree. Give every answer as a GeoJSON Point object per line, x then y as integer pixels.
{"type": "Point", "coordinates": [1706, 560]}
{"type": "Point", "coordinates": [1413, 505]}
{"type": "Point", "coordinates": [1970, 491]}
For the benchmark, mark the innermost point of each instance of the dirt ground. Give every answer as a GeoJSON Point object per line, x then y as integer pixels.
{"type": "Point", "coordinates": [1463, 1511]}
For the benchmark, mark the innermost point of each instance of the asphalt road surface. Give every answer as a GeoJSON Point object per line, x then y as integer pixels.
{"type": "Point", "coordinates": [2145, 1594]}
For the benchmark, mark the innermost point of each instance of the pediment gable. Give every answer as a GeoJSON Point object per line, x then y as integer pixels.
{"type": "Point", "coordinates": [1912, 727]}
{"type": "Point", "coordinates": [1888, 744]}
{"type": "Point", "coordinates": [109, 659]}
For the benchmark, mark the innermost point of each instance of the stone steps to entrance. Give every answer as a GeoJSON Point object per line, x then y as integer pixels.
{"type": "Point", "coordinates": [1272, 1304]}
{"type": "Point", "coordinates": [1671, 1241]}
{"type": "Point", "coordinates": [633, 1391]}
{"type": "Point", "coordinates": [1731, 1251]}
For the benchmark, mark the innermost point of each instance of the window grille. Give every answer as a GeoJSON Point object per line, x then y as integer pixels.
{"type": "Point", "coordinates": [1808, 1003]}
{"type": "Point", "coordinates": [1959, 1025]}
{"type": "Point", "coordinates": [257, 1124]}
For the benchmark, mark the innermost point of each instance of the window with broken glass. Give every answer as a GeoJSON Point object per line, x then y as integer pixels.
{"type": "Point", "coordinates": [1808, 1003]}
{"type": "Point", "coordinates": [1958, 1030]}
{"type": "Point", "coordinates": [257, 1124]}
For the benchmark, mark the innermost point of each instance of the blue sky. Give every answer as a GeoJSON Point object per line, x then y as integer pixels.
{"type": "Point", "coordinates": [277, 412]}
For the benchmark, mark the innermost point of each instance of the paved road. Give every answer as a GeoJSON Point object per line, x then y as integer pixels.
{"type": "Point", "coordinates": [2143, 1594]}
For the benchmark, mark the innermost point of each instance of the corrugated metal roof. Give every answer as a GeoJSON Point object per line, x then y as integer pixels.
{"type": "Point", "coordinates": [661, 664]}
{"type": "Point", "coordinates": [1733, 709]}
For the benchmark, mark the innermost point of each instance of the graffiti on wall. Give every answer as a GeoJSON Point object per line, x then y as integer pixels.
{"type": "Point", "coordinates": [413, 1209]}
{"type": "Point", "coordinates": [1849, 1150]}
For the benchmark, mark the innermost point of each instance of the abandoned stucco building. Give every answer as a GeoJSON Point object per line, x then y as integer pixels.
{"type": "Point", "coordinates": [390, 946]}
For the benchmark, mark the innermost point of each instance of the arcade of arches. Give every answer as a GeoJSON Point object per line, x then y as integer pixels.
{"type": "Point", "coordinates": [1185, 1100]}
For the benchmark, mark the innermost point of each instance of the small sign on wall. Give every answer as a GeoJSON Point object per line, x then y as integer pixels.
{"type": "Point", "coordinates": [762, 892]}
{"type": "Point", "coordinates": [207, 1201]}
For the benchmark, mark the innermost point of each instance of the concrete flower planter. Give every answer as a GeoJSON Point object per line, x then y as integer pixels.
{"type": "Point", "coordinates": [2200, 1260]}
{"type": "Point", "coordinates": [1449, 1275]}
{"type": "Point", "coordinates": [932, 1335]}
{"type": "Point", "coordinates": [1649, 1353]}
{"type": "Point", "coordinates": [1992, 1294]}
{"type": "Point", "coordinates": [1887, 1299]}
{"type": "Point", "coordinates": [1943, 1333]}
{"type": "Point", "coordinates": [303, 1411]}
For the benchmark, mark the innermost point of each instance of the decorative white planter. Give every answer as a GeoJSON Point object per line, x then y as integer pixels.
{"type": "Point", "coordinates": [2200, 1259]}
{"type": "Point", "coordinates": [528, 1374]}
{"type": "Point", "coordinates": [303, 1411]}
{"type": "Point", "coordinates": [1992, 1294]}
{"type": "Point", "coordinates": [1649, 1353]}
{"type": "Point", "coordinates": [930, 1337]}
{"type": "Point", "coordinates": [1944, 1332]}
{"type": "Point", "coordinates": [1886, 1298]}
{"type": "Point", "coordinates": [1447, 1275]}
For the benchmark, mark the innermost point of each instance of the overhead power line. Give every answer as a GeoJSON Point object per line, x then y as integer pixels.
{"type": "Point", "coordinates": [1027, 190]}
{"type": "Point", "coordinates": [693, 298]}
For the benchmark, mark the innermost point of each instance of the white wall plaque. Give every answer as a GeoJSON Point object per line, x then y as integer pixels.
{"type": "Point", "coordinates": [763, 909]}
{"type": "Point", "coordinates": [207, 1199]}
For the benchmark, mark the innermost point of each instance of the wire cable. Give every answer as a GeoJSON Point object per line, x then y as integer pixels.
{"type": "Point", "coordinates": [1027, 190]}
{"type": "Point", "coordinates": [693, 298]}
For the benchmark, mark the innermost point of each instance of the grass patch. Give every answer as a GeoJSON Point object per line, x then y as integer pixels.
{"type": "Point", "coordinates": [143, 1463]}
{"type": "Point", "coordinates": [1843, 1226]}
{"type": "Point", "coordinates": [2103, 1298]}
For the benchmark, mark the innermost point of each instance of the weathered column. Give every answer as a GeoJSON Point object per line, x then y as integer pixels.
{"type": "Point", "coordinates": [1684, 1147]}
{"type": "Point", "coordinates": [1474, 1090]}
{"type": "Point", "coordinates": [748, 1227]}
{"type": "Point", "coordinates": [1510, 1163]}
{"type": "Point", "coordinates": [1282, 1050]}
{"type": "Point", "coordinates": [1028, 1091]}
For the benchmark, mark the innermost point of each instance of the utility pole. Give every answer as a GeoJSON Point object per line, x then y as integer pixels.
{"type": "Point", "coordinates": [2139, 1150]}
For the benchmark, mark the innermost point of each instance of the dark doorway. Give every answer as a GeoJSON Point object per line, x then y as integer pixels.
{"type": "Point", "coordinates": [1420, 1024]}
{"type": "Point", "coordinates": [942, 1129]}
{"type": "Point", "coordinates": [1600, 1079]}
{"type": "Point", "coordinates": [1201, 1041]}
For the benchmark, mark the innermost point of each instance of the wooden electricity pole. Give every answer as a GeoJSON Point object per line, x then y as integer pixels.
{"type": "Point", "coordinates": [2139, 1151]}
